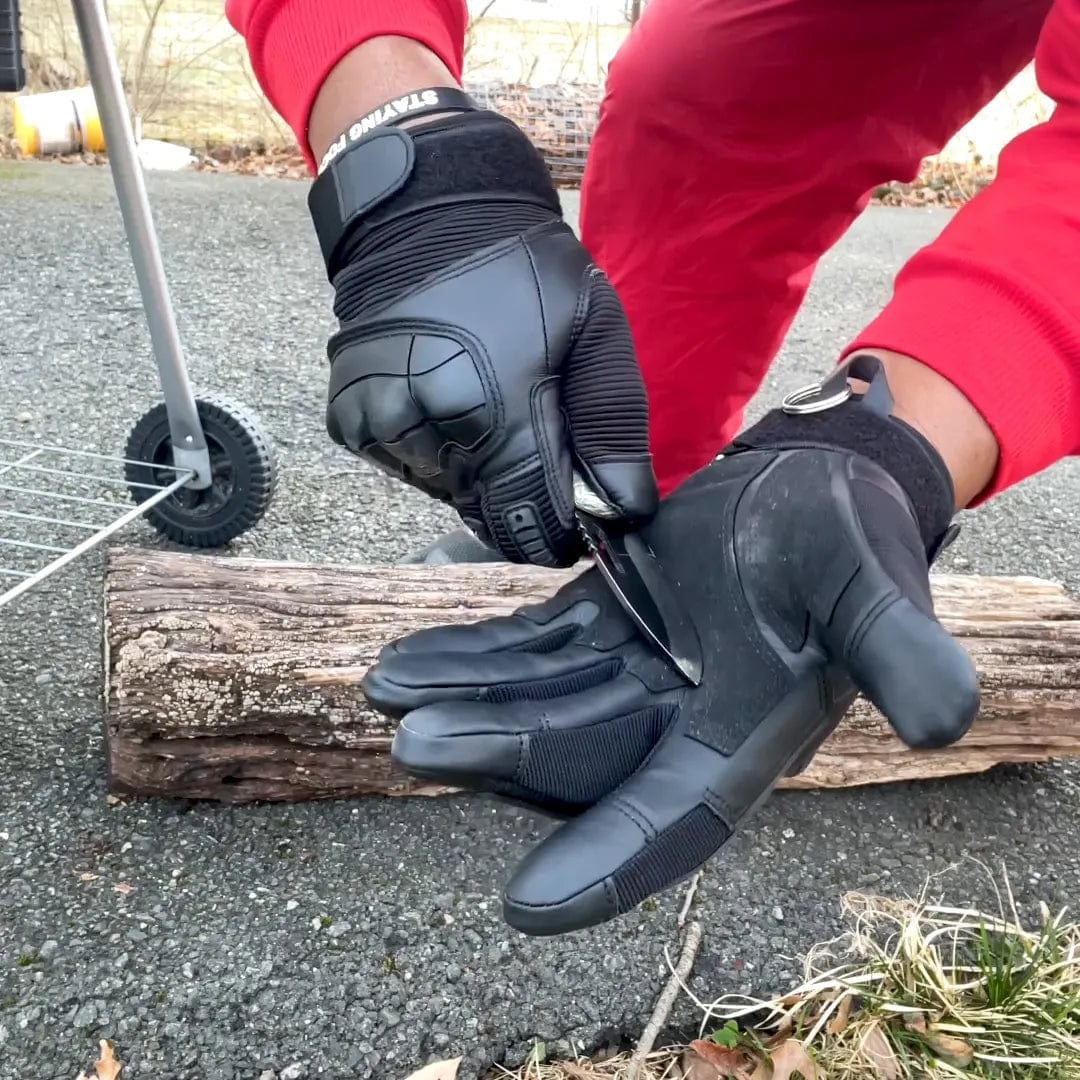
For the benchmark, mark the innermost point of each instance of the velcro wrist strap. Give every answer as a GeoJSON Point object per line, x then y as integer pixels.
{"type": "Point", "coordinates": [863, 425]}
{"type": "Point", "coordinates": [367, 174]}
{"type": "Point", "coordinates": [432, 99]}
{"type": "Point", "coordinates": [394, 172]}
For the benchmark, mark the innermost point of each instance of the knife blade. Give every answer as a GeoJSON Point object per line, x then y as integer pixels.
{"type": "Point", "coordinates": [635, 577]}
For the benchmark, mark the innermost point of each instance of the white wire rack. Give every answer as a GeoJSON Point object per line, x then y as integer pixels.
{"type": "Point", "coordinates": [58, 504]}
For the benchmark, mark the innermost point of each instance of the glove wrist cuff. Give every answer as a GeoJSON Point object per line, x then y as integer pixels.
{"type": "Point", "coordinates": [830, 415]}
{"type": "Point", "coordinates": [399, 110]}
{"type": "Point", "coordinates": [389, 172]}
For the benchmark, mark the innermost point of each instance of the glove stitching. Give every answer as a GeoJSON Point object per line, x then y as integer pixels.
{"type": "Point", "coordinates": [858, 632]}
{"type": "Point", "coordinates": [361, 332]}
{"type": "Point", "coordinates": [611, 894]}
{"type": "Point", "coordinates": [612, 897]}
{"type": "Point", "coordinates": [721, 807]}
{"type": "Point", "coordinates": [522, 759]}
{"type": "Point", "coordinates": [547, 462]}
{"type": "Point", "coordinates": [581, 308]}
{"type": "Point", "coordinates": [631, 813]}
{"type": "Point", "coordinates": [457, 269]}
{"type": "Point", "coordinates": [557, 495]}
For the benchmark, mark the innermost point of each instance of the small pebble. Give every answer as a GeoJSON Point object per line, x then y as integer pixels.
{"type": "Point", "coordinates": [778, 913]}
{"type": "Point", "coordinates": [291, 905]}
{"type": "Point", "coordinates": [293, 1071]}
{"type": "Point", "coordinates": [85, 1015]}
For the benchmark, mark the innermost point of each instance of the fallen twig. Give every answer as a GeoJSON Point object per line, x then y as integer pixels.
{"type": "Point", "coordinates": [691, 891]}
{"type": "Point", "coordinates": [662, 1009]}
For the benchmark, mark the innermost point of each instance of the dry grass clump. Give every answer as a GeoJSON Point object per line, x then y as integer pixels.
{"type": "Point", "coordinates": [917, 990]}
{"type": "Point", "coordinates": [912, 990]}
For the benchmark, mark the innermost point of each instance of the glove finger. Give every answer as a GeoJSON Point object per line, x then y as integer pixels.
{"type": "Point", "coordinates": [651, 833]}
{"type": "Point", "coordinates": [503, 633]}
{"type": "Point", "coordinates": [917, 674]}
{"type": "Point", "coordinates": [605, 402]}
{"type": "Point", "coordinates": [528, 511]}
{"type": "Point", "coordinates": [405, 681]}
{"type": "Point", "coordinates": [561, 756]}
{"type": "Point", "coordinates": [671, 816]}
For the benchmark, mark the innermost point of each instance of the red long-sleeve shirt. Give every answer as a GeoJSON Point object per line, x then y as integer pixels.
{"type": "Point", "coordinates": [293, 44]}
{"type": "Point", "coordinates": [738, 141]}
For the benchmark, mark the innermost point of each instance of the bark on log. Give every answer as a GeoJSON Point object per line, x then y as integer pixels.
{"type": "Point", "coordinates": [236, 680]}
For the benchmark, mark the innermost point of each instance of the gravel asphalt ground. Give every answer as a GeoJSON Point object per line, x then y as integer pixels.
{"type": "Point", "coordinates": [359, 939]}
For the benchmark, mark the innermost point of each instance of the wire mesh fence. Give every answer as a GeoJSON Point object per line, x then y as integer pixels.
{"type": "Point", "coordinates": [56, 504]}
{"type": "Point", "coordinates": [189, 79]}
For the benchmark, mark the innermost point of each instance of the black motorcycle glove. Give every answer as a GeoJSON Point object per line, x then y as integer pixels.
{"type": "Point", "coordinates": [481, 355]}
{"type": "Point", "coordinates": [802, 558]}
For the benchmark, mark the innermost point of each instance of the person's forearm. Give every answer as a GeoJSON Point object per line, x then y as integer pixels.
{"type": "Point", "coordinates": [365, 78]}
{"type": "Point", "coordinates": [932, 405]}
{"type": "Point", "coordinates": [324, 63]}
{"type": "Point", "coordinates": [992, 306]}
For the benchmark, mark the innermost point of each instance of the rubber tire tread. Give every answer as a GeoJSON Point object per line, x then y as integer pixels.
{"type": "Point", "coordinates": [243, 426]}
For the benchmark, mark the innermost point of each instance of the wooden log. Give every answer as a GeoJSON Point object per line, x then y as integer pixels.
{"type": "Point", "coordinates": [237, 680]}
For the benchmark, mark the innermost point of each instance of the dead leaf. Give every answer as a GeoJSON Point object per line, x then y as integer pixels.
{"type": "Point", "coordinates": [724, 1062]}
{"type": "Point", "coordinates": [123, 888]}
{"type": "Point", "coordinates": [781, 1034]}
{"type": "Point", "coordinates": [788, 1059]}
{"type": "Point", "coordinates": [437, 1070]}
{"type": "Point", "coordinates": [87, 876]}
{"type": "Point", "coordinates": [106, 1067]}
{"type": "Point", "coordinates": [954, 1051]}
{"type": "Point", "coordinates": [839, 1020]}
{"type": "Point", "coordinates": [877, 1051]}
{"type": "Point", "coordinates": [691, 1067]}
{"type": "Point", "coordinates": [113, 800]}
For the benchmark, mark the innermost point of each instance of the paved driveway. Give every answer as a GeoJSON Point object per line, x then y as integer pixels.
{"type": "Point", "coordinates": [355, 939]}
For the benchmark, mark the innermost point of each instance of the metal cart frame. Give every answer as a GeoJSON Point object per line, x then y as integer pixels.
{"type": "Point", "coordinates": [200, 469]}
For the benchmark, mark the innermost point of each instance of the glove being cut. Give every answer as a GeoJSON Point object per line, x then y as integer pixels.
{"type": "Point", "coordinates": [801, 556]}
{"type": "Point", "coordinates": [481, 355]}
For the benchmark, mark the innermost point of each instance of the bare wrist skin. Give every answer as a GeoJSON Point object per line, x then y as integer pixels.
{"type": "Point", "coordinates": [937, 410]}
{"type": "Point", "coordinates": [367, 76]}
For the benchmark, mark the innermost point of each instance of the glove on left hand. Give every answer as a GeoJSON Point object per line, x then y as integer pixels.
{"type": "Point", "coordinates": [804, 569]}
{"type": "Point", "coordinates": [482, 356]}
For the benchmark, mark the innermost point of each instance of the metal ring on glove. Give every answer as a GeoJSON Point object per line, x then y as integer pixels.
{"type": "Point", "coordinates": [801, 402]}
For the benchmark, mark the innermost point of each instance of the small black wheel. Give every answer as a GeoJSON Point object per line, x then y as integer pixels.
{"type": "Point", "coordinates": [242, 467]}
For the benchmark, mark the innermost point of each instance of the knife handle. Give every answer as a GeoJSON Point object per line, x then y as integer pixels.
{"type": "Point", "coordinates": [589, 502]}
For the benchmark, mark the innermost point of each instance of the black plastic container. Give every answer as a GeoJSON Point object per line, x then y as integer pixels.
{"type": "Point", "coordinates": [12, 73]}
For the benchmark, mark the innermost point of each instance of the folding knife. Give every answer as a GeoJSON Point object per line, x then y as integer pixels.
{"type": "Point", "coordinates": [633, 574]}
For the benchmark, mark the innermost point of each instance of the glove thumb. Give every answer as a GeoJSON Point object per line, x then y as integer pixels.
{"type": "Point", "coordinates": [606, 406]}
{"type": "Point", "coordinates": [917, 674]}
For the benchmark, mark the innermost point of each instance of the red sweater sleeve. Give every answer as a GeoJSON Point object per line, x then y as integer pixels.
{"type": "Point", "coordinates": [294, 44]}
{"type": "Point", "coordinates": [993, 304]}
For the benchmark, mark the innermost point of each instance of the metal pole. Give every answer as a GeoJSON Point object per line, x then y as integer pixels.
{"type": "Point", "coordinates": [185, 429]}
